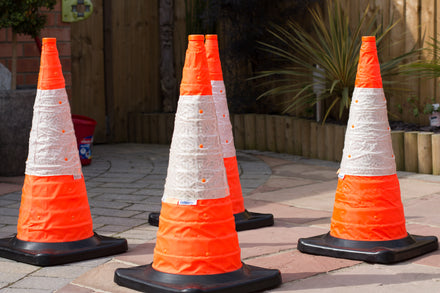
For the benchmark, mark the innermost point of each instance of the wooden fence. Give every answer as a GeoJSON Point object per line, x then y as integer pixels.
{"type": "Point", "coordinates": [116, 53]}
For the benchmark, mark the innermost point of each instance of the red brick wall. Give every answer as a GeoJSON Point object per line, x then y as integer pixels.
{"type": "Point", "coordinates": [28, 62]}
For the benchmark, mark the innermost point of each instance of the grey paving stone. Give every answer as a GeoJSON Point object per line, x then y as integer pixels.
{"type": "Point", "coordinates": [251, 183]}
{"type": "Point", "coordinates": [12, 220]}
{"type": "Point", "coordinates": [9, 228]}
{"type": "Point", "coordinates": [92, 184]}
{"type": "Point", "coordinates": [113, 212]}
{"type": "Point", "coordinates": [130, 198]}
{"type": "Point", "coordinates": [114, 190]}
{"type": "Point", "coordinates": [156, 199]}
{"type": "Point", "coordinates": [105, 180]}
{"type": "Point", "coordinates": [14, 196]}
{"type": "Point", "coordinates": [150, 191]}
{"type": "Point", "coordinates": [6, 203]}
{"type": "Point", "coordinates": [9, 212]}
{"type": "Point", "coordinates": [91, 263]}
{"type": "Point", "coordinates": [11, 271]}
{"type": "Point", "coordinates": [144, 216]}
{"type": "Point", "coordinates": [138, 234]}
{"type": "Point", "coordinates": [40, 283]}
{"type": "Point", "coordinates": [131, 184]}
{"type": "Point", "coordinates": [21, 290]}
{"type": "Point", "coordinates": [64, 271]}
{"type": "Point", "coordinates": [108, 204]}
{"type": "Point", "coordinates": [143, 207]}
{"type": "Point", "coordinates": [128, 222]}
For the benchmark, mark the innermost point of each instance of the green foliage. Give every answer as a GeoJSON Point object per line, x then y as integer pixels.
{"type": "Point", "coordinates": [422, 68]}
{"type": "Point", "coordinates": [23, 16]}
{"type": "Point", "coordinates": [333, 43]}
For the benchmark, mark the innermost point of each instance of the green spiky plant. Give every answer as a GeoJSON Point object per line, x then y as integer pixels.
{"type": "Point", "coordinates": [333, 45]}
{"type": "Point", "coordinates": [428, 67]}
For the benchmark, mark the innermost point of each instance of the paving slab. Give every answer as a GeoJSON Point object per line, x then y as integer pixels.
{"type": "Point", "coordinates": [295, 265]}
{"type": "Point", "coordinates": [406, 277]}
{"type": "Point", "coordinates": [125, 183]}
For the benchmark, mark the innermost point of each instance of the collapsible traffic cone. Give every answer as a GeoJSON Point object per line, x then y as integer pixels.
{"type": "Point", "coordinates": [368, 220]}
{"type": "Point", "coordinates": [244, 220]}
{"type": "Point", "coordinates": [197, 246]}
{"type": "Point", "coordinates": [54, 223]}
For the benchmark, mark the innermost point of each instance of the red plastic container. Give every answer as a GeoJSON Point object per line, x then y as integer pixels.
{"type": "Point", "coordinates": [84, 129]}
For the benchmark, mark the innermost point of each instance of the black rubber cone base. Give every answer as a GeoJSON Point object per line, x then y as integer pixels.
{"type": "Point", "coordinates": [153, 219]}
{"type": "Point", "coordinates": [247, 279]}
{"type": "Point", "coordinates": [384, 252]}
{"type": "Point", "coordinates": [243, 221]}
{"type": "Point", "coordinates": [249, 220]}
{"type": "Point", "coordinates": [49, 254]}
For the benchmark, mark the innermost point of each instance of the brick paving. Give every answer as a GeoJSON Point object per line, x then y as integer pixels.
{"type": "Point", "coordinates": [125, 183]}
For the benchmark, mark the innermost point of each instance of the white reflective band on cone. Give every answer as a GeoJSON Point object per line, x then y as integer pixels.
{"type": "Point", "coordinates": [53, 148]}
{"type": "Point", "coordinates": [195, 169]}
{"type": "Point", "coordinates": [368, 148]}
{"type": "Point", "coordinates": [224, 122]}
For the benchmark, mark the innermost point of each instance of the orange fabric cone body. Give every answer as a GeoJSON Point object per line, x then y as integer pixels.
{"type": "Point", "coordinates": [367, 204]}
{"type": "Point", "coordinates": [196, 233]}
{"type": "Point", "coordinates": [224, 123]}
{"type": "Point", "coordinates": [54, 205]}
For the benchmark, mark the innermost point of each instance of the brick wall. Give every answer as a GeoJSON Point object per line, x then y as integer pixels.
{"type": "Point", "coordinates": [28, 62]}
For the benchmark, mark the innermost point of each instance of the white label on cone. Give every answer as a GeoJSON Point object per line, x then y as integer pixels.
{"type": "Point", "coordinates": [52, 143]}
{"type": "Point", "coordinates": [187, 202]}
{"type": "Point", "coordinates": [368, 149]}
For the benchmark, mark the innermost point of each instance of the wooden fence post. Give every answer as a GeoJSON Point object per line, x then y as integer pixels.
{"type": "Point", "coordinates": [410, 147]}
{"type": "Point", "coordinates": [339, 142]}
{"type": "Point", "coordinates": [424, 151]}
{"type": "Point", "coordinates": [270, 133]}
{"type": "Point", "coordinates": [313, 140]}
{"type": "Point", "coordinates": [249, 132]}
{"type": "Point", "coordinates": [435, 154]}
{"type": "Point", "coordinates": [330, 131]}
{"type": "Point", "coordinates": [305, 137]}
{"type": "Point", "coordinates": [280, 133]}
{"type": "Point", "coordinates": [398, 149]}
{"type": "Point", "coordinates": [298, 135]}
{"type": "Point", "coordinates": [320, 140]}
{"type": "Point", "coordinates": [260, 125]}
{"type": "Point", "coordinates": [289, 133]}
{"type": "Point", "coordinates": [239, 131]}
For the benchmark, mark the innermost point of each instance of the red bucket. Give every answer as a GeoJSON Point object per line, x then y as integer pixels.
{"type": "Point", "coordinates": [84, 129]}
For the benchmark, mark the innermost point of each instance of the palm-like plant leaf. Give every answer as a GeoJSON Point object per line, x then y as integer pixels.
{"type": "Point", "coordinates": [423, 68]}
{"type": "Point", "coordinates": [332, 45]}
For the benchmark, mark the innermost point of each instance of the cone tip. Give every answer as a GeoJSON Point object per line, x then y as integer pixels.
{"type": "Point", "coordinates": [196, 38]}
{"type": "Point", "coordinates": [49, 40]}
{"type": "Point", "coordinates": [369, 39]}
{"type": "Point", "coordinates": [211, 37]}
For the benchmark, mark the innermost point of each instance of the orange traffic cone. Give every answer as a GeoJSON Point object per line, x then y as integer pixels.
{"type": "Point", "coordinates": [54, 223]}
{"type": "Point", "coordinates": [244, 220]}
{"type": "Point", "coordinates": [197, 246]}
{"type": "Point", "coordinates": [368, 221]}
